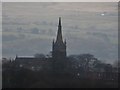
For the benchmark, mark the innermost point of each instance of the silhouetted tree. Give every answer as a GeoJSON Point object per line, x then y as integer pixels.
{"type": "Point", "coordinates": [72, 77]}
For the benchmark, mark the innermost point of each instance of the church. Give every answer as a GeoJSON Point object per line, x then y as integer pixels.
{"type": "Point", "coordinates": [59, 51]}
{"type": "Point", "coordinates": [59, 47]}
{"type": "Point", "coordinates": [58, 55]}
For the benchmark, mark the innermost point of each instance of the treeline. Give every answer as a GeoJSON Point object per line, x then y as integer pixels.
{"type": "Point", "coordinates": [80, 71]}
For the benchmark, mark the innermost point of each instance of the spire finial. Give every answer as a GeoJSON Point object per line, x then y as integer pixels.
{"type": "Point", "coordinates": [59, 21]}
{"type": "Point", "coordinates": [59, 33]}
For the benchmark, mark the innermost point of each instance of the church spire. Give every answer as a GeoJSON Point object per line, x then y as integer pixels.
{"type": "Point", "coordinates": [59, 21]}
{"type": "Point", "coordinates": [59, 47]}
{"type": "Point", "coordinates": [59, 33]}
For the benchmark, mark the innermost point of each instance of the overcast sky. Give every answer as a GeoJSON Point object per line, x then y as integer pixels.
{"type": "Point", "coordinates": [90, 27]}
{"type": "Point", "coordinates": [59, 0]}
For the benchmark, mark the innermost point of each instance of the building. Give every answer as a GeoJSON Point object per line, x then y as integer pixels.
{"type": "Point", "coordinates": [58, 55]}
{"type": "Point", "coordinates": [59, 47]}
{"type": "Point", "coordinates": [59, 51]}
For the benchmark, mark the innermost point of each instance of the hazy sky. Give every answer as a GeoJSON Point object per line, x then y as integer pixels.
{"type": "Point", "coordinates": [29, 28]}
{"type": "Point", "coordinates": [0, 29]}
{"type": "Point", "coordinates": [60, 0]}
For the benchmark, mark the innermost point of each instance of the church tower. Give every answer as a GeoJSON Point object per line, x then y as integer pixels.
{"type": "Point", "coordinates": [59, 47]}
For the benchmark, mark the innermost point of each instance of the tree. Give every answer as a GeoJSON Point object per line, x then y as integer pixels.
{"type": "Point", "coordinates": [86, 61]}
{"type": "Point", "coordinates": [49, 55]}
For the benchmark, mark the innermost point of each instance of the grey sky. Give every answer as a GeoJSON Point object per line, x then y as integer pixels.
{"type": "Point", "coordinates": [29, 28]}
{"type": "Point", "coordinates": [59, 0]}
